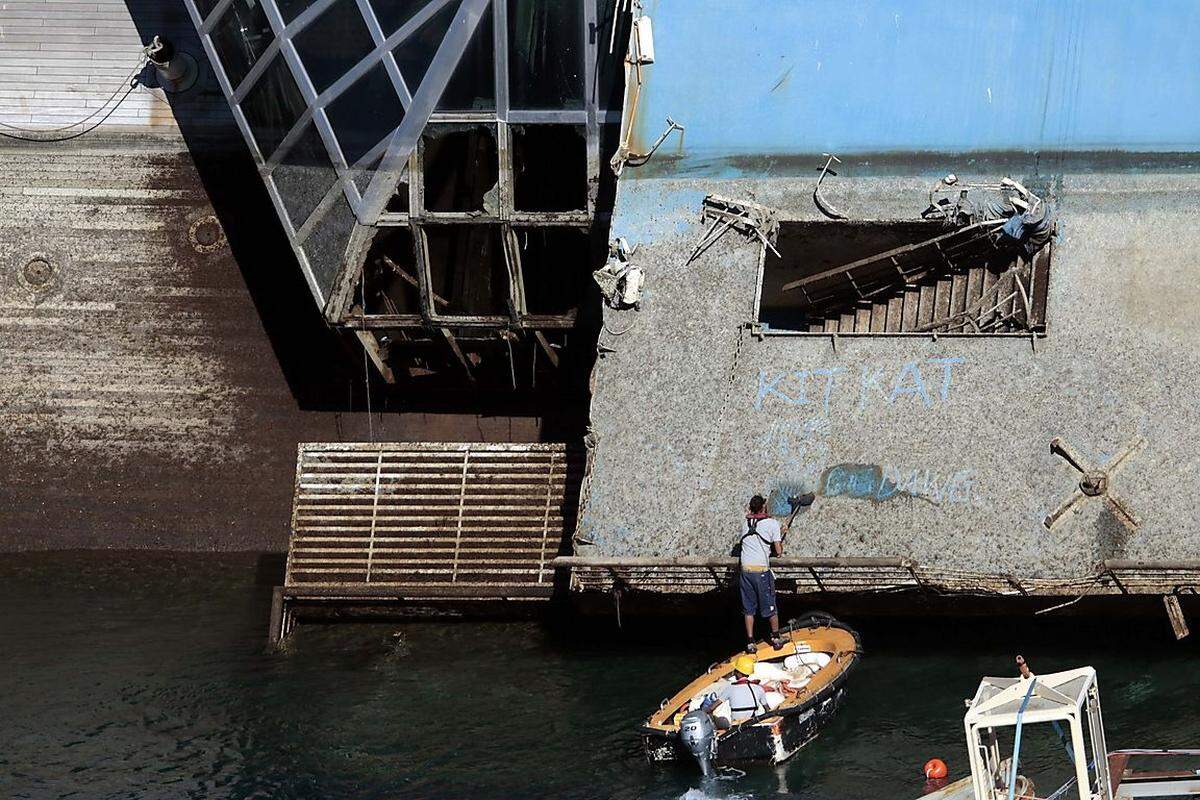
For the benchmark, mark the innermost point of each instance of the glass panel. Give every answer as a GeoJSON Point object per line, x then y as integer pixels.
{"type": "Point", "coordinates": [545, 53]}
{"type": "Point", "coordinates": [414, 53]}
{"type": "Point", "coordinates": [550, 170]}
{"type": "Point", "coordinates": [555, 268]}
{"type": "Point", "coordinates": [332, 43]}
{"type": "Point", "coordinates": [362, 178]}
{"type": "Point", "coordinates": [462, 167]}
{"type": "Point", "coordinates": [273, 106]}
{"type": "Point", "coordinates": [240, 38]}
{"type": "Point", "coordinates": [205, 7]}
{"type": "Point", "coordinates": [365, 113]}
{"type": "Point", "coordinates": [392, 14]}
{"type": "Point", "coordinates": [326, 245]}
{"type": "Point", "coordinates": [290, 9]}
{"type": "Point", "coordinates": [467, 269]}
{"type": "Point", "coordinates": [473, 86]}
{"type": "Point", "coordinates": [304, 176]}
{"type": "Point", "coordinates": [610, 68]}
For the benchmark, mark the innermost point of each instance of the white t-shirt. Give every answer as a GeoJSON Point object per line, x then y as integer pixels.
{"type": "Point", "coordinates": [755, 551]}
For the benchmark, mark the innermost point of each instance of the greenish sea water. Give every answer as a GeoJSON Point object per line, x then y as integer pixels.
{"type": "Point", "coordinates": [147, 676]}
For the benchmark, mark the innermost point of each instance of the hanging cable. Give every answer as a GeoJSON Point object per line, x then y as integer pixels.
{"type": "Point", "coordinates": [362, 316]}
{"type": "Point", "coordinates": [38, 134]}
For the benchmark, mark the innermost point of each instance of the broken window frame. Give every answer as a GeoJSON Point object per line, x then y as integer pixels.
{"type": "Point", "coordinates": [1040, 264]}
{"type": "Point", "coordinates": [338, 300]}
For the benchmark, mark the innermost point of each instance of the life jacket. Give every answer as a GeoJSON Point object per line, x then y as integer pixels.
{"type": "Point", "coordinates": [752, 710]}
{"type": "Point", "coordinates": [751, 530]}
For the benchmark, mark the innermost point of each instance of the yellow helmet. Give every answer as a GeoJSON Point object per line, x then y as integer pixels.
{"type": "Point", "coordinates": [744, 664]}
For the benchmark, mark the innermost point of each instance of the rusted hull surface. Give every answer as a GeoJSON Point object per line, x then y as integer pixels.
{"type": "Point", "coordinates": [153, 387]}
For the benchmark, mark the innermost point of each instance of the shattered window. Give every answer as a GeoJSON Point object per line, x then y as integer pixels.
{"type": "Point", "coordinates": [902, 277]}
{"type": "Point", "coordinates": [391, 274]}
{"type": "Point", "coordinates": [365, 113]}
{"type": "Point", "coordinates": [240, 38]}
{"type": "Point", "coordinates": [462, 168]}
{"type": "Point", "coordinates": [555, 268]}
{"type": "Point", "coordinates": [545, 52]}
{"type": "Point", "coordinates": [272, 106]}
{"type": "Point", "coordinates": [332, 43]}
{"type": "Point", "coordinates": [550, 168]}
{"type": "Point", "coordinates": [468, 270]}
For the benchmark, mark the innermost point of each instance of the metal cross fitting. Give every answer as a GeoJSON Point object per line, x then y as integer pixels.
{"type": "Point", "coordinates": [1094, 481]}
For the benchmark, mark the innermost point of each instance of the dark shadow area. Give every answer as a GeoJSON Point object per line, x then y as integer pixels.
{"type": "Point", "coordinates": [269, 569]}
{"type": "Point", "coordinates": [461, 165]}
{"type": "Point", "coordinates": [549, 167]}
{"type": "Point", "coordinates": [322, 367]}
{"type": "Point", "coordinates": [324, 370]}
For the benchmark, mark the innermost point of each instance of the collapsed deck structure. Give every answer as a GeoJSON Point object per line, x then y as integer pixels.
{"type": "Point", "coordinates": [436, 165]}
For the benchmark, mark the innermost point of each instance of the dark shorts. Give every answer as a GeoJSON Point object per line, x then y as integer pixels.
{"type": "Point", "coordinates": [758, 594]}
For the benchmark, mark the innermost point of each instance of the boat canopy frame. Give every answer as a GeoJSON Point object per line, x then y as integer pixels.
{"type": "Point", "coordinates": [1071, 697]}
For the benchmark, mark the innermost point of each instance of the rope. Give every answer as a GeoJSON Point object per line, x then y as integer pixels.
{"type": "Point", "coordinates": [129, 84]}
{"type": "Point", "coordinates": [1012, 774]}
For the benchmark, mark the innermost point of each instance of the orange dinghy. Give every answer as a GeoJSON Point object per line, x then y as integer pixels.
{"type": "Point", "coordinates": [803, 682]}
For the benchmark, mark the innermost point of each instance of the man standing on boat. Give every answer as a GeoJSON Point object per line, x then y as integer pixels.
{"type": "Point", "coordinates": [762, 537]}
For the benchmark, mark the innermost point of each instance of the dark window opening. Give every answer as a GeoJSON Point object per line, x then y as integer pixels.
{"type": "Point", "coordinates": [272, 106]}
{"type": "Point", "coordinates": [390, 274]}
{"type": "Point", "coordinates": [550, 170]}
{"type": "Point", "coordinates": [332, 43]}
{"type": "Point", "coordinates": [555, 268]}
{"type": "Point", "coordinates": [304, 176]}
{"type": "Point", "coordinates": [468, 269]}
{"type": "Point", "coordinates": [398, 202]}
{"type": "Point", "coordinates": [365, 113]}
{"type": "Point", "coordinates": [893, 277]}
{"type": "Point", "coordinates": [240, 37]}
{"type": "Point", "coordinates": [462, 167]}
{"type": "Point", "coordinates": [545, 50]}
{"type": "Point", "coordinates": [417, 50]}
{"type": "Point", "coordinates": [473, 85]}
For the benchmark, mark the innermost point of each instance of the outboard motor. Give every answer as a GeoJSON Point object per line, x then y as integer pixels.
{"type": "Point", "coordinates": [699, 735]}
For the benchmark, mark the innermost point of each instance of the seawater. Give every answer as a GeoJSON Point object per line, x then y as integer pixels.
{"type": "Point", "coordinates": [146, 676]}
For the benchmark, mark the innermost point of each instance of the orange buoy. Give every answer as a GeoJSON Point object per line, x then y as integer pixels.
{"type": "Point", "coordinates": [935, 768]}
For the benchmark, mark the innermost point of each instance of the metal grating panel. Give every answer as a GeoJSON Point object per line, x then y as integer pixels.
{"type": "Point", "coordinates": [432, 519]}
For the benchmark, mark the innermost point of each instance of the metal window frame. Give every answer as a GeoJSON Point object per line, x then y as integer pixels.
{"type": "Point", "coordinates": [398, 153]}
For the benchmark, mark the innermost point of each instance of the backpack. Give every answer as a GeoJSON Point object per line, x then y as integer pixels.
{"type": "Point", "coordinates": [752, 530]}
